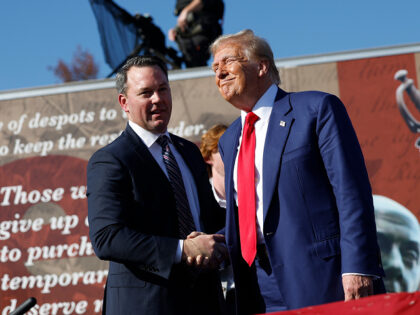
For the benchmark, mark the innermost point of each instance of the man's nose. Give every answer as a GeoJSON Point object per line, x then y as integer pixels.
{"type": "Point", "coordinates": [221, 72]}
{"type": "Point", "coordinates": [156, 97]}
{"type": "Point", "coordinates": [393, 267]}
{"type": "Point", "coordinates": [395, 258]}
{"type": "Point", "coordinates": [394, 263]}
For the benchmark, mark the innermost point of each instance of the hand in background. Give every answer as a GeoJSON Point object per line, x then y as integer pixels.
{"type": "Point", "coordinates": [172, 34]}
{"type": "Point", "coordinates": [204, 250]}
{"type": "Point", "coordinates": [193, 6]}
{"type": "Point", "coordinates": [182, 20]}
{"type": "Point", "coordinates": [356, 287]}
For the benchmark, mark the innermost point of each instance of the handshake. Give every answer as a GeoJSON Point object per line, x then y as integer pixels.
{"type": "Point", "coordinates": [204, 250]}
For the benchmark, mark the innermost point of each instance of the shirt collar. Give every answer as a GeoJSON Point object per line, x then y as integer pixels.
{"type": "Point", "coordinates": [264, 105]}
{"type": "Point", "coordinates": [220, 201]}
{"type": "Point", "coordinates": [149, 138]}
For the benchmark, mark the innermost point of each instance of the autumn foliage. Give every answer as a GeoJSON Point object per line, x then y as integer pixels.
{"type": "Point", "coordinates": [82, 67]}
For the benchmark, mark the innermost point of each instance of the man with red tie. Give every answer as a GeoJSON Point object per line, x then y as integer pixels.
{"type": "Point", "coordinates": [300, 225]}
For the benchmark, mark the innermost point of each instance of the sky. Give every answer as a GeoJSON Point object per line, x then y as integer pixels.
{"type": "Point", "coordinates": [36, 34]}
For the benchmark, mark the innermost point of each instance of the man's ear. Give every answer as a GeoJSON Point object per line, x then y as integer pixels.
{"type": "Point", "coordinates": [122, 99]}
{"type": "Point", "coordinates": [263, 67]}
{"type": "Point", "coordinates": [209, 160]}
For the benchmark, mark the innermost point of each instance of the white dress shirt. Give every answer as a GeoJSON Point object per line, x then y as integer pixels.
{"type": "Point", "coordinates": [220, 201]}
{"type": "Point", "coordinates": [155, 149]}
{"type": "Point", "coordinates": [263, 110]}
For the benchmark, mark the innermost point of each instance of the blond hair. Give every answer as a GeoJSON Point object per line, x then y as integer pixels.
{"type": "Point", "coordinates": [253, 47]}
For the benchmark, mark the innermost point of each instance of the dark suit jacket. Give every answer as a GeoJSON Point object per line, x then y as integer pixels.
{"type": "Point", "coordinates": [318, 210]}
{"type": "Point", "coordinates": [133, 224]}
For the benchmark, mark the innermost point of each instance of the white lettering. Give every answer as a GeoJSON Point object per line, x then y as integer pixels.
{"type": "Point", "coordinates": [35, 253]}
{"type": "Point", "coordinates": [48, 281]}
{"type": "Point", "coordinates": [19, 225]}
{"type": "Point", "coordinates": [34, 196]}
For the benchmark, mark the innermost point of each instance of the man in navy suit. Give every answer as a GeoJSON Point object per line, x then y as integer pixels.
{"type": "Point", "coordinates": [300, 225]}
{"type": "Point", "coordinates": [147, 192]}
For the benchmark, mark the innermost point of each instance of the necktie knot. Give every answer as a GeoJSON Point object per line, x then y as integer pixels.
{"type": "Point", "coordinates": [251, 118]}
{"type": "Point", "coordinates": [163, 141]}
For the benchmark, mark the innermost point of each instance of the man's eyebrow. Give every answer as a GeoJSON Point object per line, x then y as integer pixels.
{"type": "Point", "coordinates": [411, 244]}
{"type": "Point", "coordinates": [224, 58]}
{"type": "Point", "coordinates": [148, 88]}
{"type": "Point", "coordinates": [142, 90]}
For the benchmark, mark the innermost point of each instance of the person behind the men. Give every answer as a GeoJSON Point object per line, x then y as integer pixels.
{"type": "Point", "coordinates": [215, 169]}
{"type": "Point", "coordinates": [399, 239]}
{"type": "Point", "coordinates": [210, 151]}
{"type": "Point", "coordinates": [147, 191]}
{"type": "Point", "coordinates": [304, 233]}
{"type": "Point", "coordinates": [199, 23]}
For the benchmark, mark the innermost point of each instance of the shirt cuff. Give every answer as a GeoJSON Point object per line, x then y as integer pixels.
{"type": "Point", "coordinates": [178, 254]}
{"type": "Point", "coordinates": [360, 274]}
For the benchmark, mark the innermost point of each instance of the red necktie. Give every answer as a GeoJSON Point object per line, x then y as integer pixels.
{"type": "Point", "coordinates": [246, 190]}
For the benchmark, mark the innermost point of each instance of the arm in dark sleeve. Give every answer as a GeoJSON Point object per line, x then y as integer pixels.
{"type": "Point", "coordinates": [114, 237]}
{"type": "Point", "coordinates": [344, 163]}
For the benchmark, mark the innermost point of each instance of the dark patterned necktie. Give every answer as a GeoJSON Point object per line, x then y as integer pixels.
{"type": "Point", "coordinates": [185, 220]}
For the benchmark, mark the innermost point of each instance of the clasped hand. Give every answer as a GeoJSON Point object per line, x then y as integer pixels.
{"type": "Point", "coordinates": [204, 250]}
{"type": "Point", "coordinates": [357, 286]}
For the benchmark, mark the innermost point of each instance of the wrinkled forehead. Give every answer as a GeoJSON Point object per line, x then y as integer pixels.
{"type": "Point", "coordinates": [142, 73]}
{"type": "Point", "coordinates": [229, 49]}
{"type": "Point", "coordinates": [397, 222]}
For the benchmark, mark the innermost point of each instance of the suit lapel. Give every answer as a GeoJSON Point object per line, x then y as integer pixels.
{"type": "Point", "coordinates": [188, 159]}
{"type": "Point", "coordinates": [230, 155]}
{"type": "Point", "coordinates": [280, 124]}
{"type": "Point", "coordinates": [230, 150]}
{"type": "Point", "coordinates": [146, 157]}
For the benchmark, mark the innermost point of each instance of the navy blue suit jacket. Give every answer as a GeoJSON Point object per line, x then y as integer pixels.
{"type": "Point", "coordinates": [318, 210]}
{"type": "Point", "coordinates": [133, 224]}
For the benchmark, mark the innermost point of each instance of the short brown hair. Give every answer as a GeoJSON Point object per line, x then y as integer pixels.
{"type": "Point", "coordinates": [209, 142]}
{"type": "Point", "coordinates": [137, 61]}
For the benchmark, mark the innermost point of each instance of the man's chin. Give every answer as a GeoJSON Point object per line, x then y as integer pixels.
{"type": "Point", "coordinates": [392, 286]}
{"type": "Point", "coordinates": [226, 92]}
{"type": "Point", "coordinates": [159, 127]}
{"type": "Point", "coordinates": [232, 99]}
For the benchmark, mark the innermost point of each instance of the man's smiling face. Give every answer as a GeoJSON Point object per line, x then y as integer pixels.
{"type": "Point", "coordinates": [236, 75]}
{"type": "Point", "coordinates": [148, 100]}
